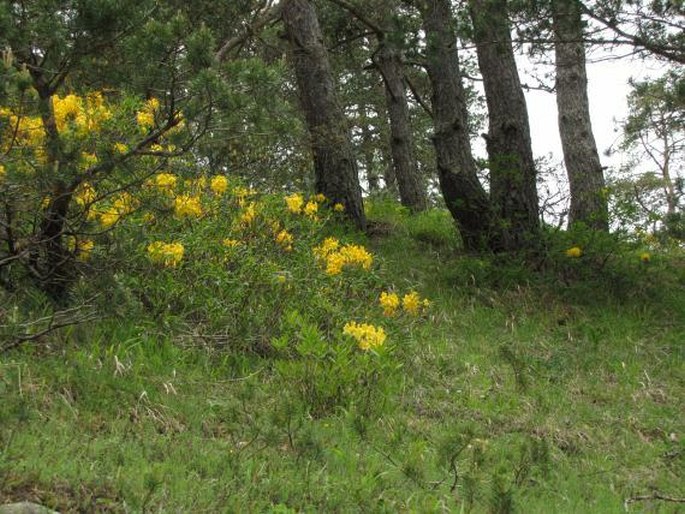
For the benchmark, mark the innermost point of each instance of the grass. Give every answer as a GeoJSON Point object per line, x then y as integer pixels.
{"type": "Point", "coordinates": [520, 393]}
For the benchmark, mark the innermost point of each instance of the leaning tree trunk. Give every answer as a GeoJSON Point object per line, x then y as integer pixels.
{"type": "Point", "coordinates": [464, 196]}
{"type": "Point", "coordinates": [585, 176]}
{"type": "Point", "coordinates": [512, 167]}
{"type": "Point", "coordinates": [335, 166]}
{"type": "Point", "coordinates": [411, 187]}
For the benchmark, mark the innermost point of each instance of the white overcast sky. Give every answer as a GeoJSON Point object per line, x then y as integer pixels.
{"type": "Point", "coordinates": [607, 91]}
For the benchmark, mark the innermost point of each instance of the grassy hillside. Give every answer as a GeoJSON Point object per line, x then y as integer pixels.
{"type": "Point", "coordinates": [229, 383]}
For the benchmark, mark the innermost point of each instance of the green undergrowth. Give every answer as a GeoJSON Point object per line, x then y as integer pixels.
{"type": "Point", "coordinates": [544, 384]}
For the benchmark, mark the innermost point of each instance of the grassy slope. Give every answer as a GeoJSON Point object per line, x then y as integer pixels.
{"type": "Point", "coordinates": [511, 398]}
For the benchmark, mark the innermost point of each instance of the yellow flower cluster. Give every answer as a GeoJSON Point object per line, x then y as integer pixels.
{"type": "Point", "coordinates": [85, 114]}
{"type": "Point", "coordinates": [249, 214]}
{"type": "Point", "coordinates": [294, 203]}
{"type": "Point", "coordinates": [411, 303]}
{"type": "Point", "coordinates": [368, 337]}
{"type": "Point", "coordinates": [285, 239]}
{"type": "Point", "coordinates": [336, 257]}
{"type": "Point", "coordinates": [390, 303]}
{"type": "Point", "coordinates": [310, 209]}
{"type": "Point", "coordinates": [186, 206]}
{"type": "Point", "coordinates": [123, 204]}
{"type": "Point", "coordinates": [2, 172]}
{"type": "Point", "coordinates": [574, 252]}
{"type": "Point", "coordinates": [645, 257]}
{"type": "Point", "coordinates": [85, 194]}
{"type": "Point", "coordinates": [231, 243]}
{"type": "Point", "coordinates": [338, 207]}
{"type": "Point", "coordinates": [165, 182]}
{"type": "Point", "coordinates": [146, 116]}
{"type": "Point", "coordinates": [219, 184]}
{"type": "Point", "coordinates": [81, 247]}
{"type": "Point", "coordinates": [166, 254]}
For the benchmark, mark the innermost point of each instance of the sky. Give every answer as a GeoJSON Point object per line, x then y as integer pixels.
{"type": "Point", "coordinates": [607, 92]}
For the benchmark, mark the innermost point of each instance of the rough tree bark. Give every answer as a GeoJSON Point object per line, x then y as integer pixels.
{"type": "Point", "coordinates": [335, 166]}
{"type": "Point", "coordinates": [512, 168]}
{"type": "Point", "coordinates": [464, 196]}
{"type": "Point", "coordinates": [411, 188]}
{"type": "Point", "coordinates": [586, 179]}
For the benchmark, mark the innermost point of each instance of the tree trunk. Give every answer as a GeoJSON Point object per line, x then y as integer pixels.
{"type": "Point", "coordinates": [464, 196]}
{"type": "Point", "coordinates": [368, 152]}
{"type": "Point", "coordinates": [335, 166]}
{"type": "Point", "coordinates": [512, 167]}
{"type": "Point", "coordinates": [586, 179]}
{"type": "Point", "coordinates": [412, 190]}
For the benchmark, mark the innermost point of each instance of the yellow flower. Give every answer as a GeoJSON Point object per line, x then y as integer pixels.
{"type": "Point", "coordinates": [120, 148]}
{"type": "Point", "coordinates": [166, 181]}
{"type": "Point", "coordinates": [294, 202]}
{"type": "Point", "coordinates": [231, 243]}
{"type": "Point", "coordinates": [166, 254]}
{"type": "Point", "coordinates": [368, 337]}
{"type": "Point", "coordinates": [285, 239]}
{"type": "Point", "coordinates": [338, 207]}
{"type": "Point", "coordinates": [334, 263]}
{"type": "Point", "coordinates": [411, 303]}
{"type": "Point", "coordinates": [219, 184]}
{"type": "Point", "coordinates": [84, 249]}
{"type": "Point", "coordinates": [146, 116]}
{"type": "Point", "coordinates": [645, 257]}
{"type": "Point", "coordinates": [109, 217]}
{"type": "Point", "coordinates": [319, 198]}
{"type": "Point", "coordinates": [186, 206]}
{"type": "Point", "coordinates": [311, 209]}
{"type": "Point", "coordinates": [357, 255]}
{"type": "Point", "coordinates": [574, 252]}
{"type": "Point", "coordinates": [249, 214]}
{"type": "Point", "coordinates": [85, 194]}
{"type": "Point", "coordinates": [2, 172]}
{"type": "Point", "coordinates": [329, 245]}
{"type": "Point", "coordinates": [390, 302]}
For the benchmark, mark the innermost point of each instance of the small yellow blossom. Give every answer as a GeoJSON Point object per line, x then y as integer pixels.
{"type": "Point", "coordinates": [368, 337]}
{"type": "Point", "coordinates": [357, 255]}
{"type": "Point", "coordinates": [186, 206]}
{"type": "Point", "coordinates": [574, 252]}
{"type": "Point", "coordinates": [231, 243]}
{"type": "Point", "coordinates": [329, 245]}
{"type": "Point", "coordinates": [390, 302]}
{"type": "Point", "coordinates": [411, 303]}
{"type": "Point", "coordinates": [338, 207]}
{"type": "Point", "coordinates": [165, 181]}
{"type": "Point", "coordinates": [166, 254]}
{"type": "Point", "coordinates": [84, 249]}
{"type": "Point", "coordinates": [645, 257]}
{"type": "Point", "coordinates": [219, 184]}
{"type": "Point", "coordinates": [2, 172]}
{"type": "Point", "coordinates": [120, 148]}
{"type": "Point", "coordinates": [146, 116]}
{"type": "Point", "coordinates": [294, 203]}
{"type": "Point", "coordinates": [311, 209]}
{"type": "Point", "coordinates": [109, 217]}
{"type": "Point", "coordinates": [249, 214]}
{"type": "Point", "coordinates": [319, 198]}
{"type": "Point", "coordinates": [285, 239]}
{"type": "Point", "coordinates": [85, 194]}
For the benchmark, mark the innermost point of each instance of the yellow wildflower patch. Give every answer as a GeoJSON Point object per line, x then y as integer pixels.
{"type": "Point", "coordinates": [367, 336]}
{"type": "Point", "coordinates": [186, 206]}
{"type": "Point", "coordinates": [167, 254]}
{"type": "Point", "coordinates": [390, 303]}
{"type": "Point", "coordinates": [219, 184]}
{"type": "Point", "coordinates": [285, 239]}
{"type": "Point", "coordinates": [294, 203]}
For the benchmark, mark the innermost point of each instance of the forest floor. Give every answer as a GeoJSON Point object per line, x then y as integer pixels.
{"type": "Point", "coordinates": [518, 394]}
